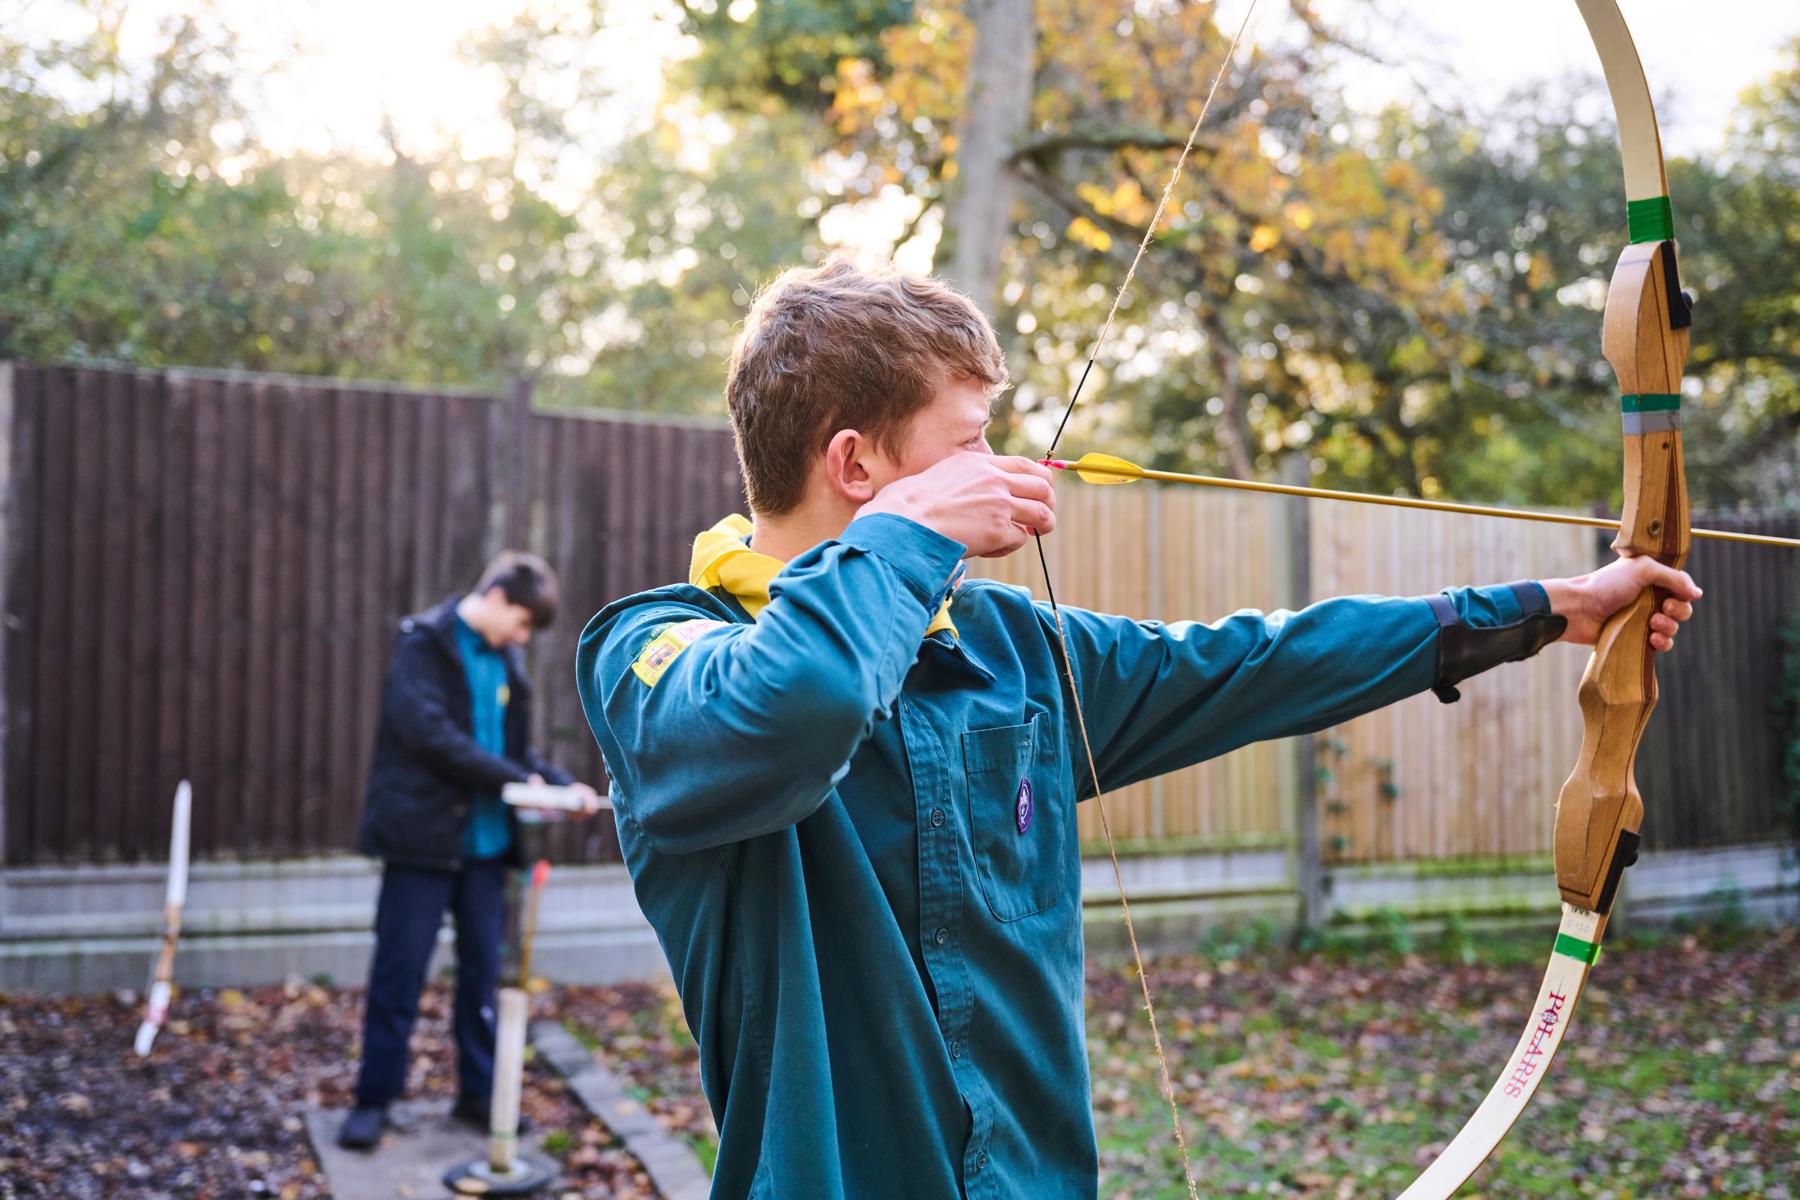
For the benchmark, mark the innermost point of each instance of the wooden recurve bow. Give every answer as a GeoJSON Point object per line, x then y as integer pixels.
{"type": "Point", "coordinates": [1645, 338]}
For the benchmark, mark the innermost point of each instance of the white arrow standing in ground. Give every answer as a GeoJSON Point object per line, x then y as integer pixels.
{"type": "Point", "coordinates": [162, 977]}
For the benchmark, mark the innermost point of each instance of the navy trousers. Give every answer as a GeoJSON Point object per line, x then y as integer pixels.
{"type": "Point", "coordinates": [407, 918]}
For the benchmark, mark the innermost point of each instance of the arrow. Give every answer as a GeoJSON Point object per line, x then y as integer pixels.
{"type": "Point", "coordinates": [1108, 469]}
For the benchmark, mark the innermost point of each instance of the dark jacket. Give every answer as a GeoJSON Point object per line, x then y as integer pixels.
{"type": "Point", "coordinates": [427, 767]}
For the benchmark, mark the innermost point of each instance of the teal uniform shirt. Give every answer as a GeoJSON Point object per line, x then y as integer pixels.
{"type": "Point", "coordinates": [487, 834]}
{"type": "Point", "coordinates": [857, 844]}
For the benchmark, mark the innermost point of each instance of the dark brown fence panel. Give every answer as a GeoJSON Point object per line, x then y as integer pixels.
{"type": "Point", "coordinates": [1710, 767]}
{"type": "Point", "coordinates": [24, 566]}
{"type": "Point", "coordinates": [344, 588]}
{"type": "Point", "coordinates": [204, 574]}
{"type": "Point", "coordinates": [203, 564]}
{"type": "Point", "coordinates": [203, 577]}
{"type": "Point", "coordinates": [144, 621]}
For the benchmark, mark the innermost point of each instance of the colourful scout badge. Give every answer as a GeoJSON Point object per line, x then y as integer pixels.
{"type": "Point", "coordinates": [663, 648]}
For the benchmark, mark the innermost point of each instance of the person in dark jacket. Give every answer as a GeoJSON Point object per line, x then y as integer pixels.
{"type": "Point", "coordinates": [454, 729]}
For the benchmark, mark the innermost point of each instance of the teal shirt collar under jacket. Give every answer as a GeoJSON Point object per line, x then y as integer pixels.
{"type": "Point", "coordinates": [487, 834]}
{"type": "Point", "coordinates": [858, 846]}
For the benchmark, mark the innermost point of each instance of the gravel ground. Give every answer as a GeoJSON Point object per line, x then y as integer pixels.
{"type": "Point", "coordinates": [214, 1112]}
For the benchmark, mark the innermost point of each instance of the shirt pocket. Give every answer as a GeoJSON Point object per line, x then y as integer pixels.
{"type": "Point", "coordinates": [1016, 824]}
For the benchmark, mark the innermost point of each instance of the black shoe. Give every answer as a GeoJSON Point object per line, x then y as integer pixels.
{"type": "Point", "coordinates": [475, 1113]}
{"type": "Point", "coordinates": [362, 1128]}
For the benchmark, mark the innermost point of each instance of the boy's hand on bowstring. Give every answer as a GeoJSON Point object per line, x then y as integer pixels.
{"type": "Point", "coordinates": [991, 503]}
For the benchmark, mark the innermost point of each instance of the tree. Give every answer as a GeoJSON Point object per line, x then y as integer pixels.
{"type": "Point", "coordinates": [1409, 299]}
{"type": "Point", "coordinates": [996, 112]}
{"type": "Point", "coordinates": [1274, 202]}
{"type": "Point", "coordinates": [144, 230]}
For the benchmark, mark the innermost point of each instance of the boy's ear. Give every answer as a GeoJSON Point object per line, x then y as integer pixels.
{"type": "Point", "coordinates": [847, 466]}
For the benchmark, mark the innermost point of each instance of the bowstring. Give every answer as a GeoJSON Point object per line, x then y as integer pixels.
{"type": "Point", "coordinates": [1062, 641]}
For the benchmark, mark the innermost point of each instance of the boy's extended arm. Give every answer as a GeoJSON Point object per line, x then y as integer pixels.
{"type": "Point", "coordinates": [748, 727]}
{"type": "Point", "coordinates": [1160, 697]}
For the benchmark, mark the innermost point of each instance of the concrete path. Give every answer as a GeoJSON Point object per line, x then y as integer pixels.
{"type": "Point", "coordinates": [405, 1166]}
{"type": "Point", "coordinates": [672, 1166]}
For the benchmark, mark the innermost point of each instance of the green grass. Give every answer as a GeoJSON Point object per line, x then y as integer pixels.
{"type": "Point", "coordinates": [1342, 1073]}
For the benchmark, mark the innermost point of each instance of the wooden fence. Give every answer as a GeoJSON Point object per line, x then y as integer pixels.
{"type": "Point", "coordinates": [1422, 779]}
{"type": "Point", "coordinates": [1172, 554]}
{"type": "Point", "coordinates": [1710, 767]}
{"type": "Point", "coordinates": [203, 573]}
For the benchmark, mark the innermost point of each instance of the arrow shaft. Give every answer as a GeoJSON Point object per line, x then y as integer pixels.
{"type": "Point", "coordinates": [1477, 510]}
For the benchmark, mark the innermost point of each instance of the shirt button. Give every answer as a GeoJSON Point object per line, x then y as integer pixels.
{"type": "Point", "coordinates": [981, 1160]}
{"type": "Point", "coordinates": [937, 817]}
{"type": "Point", "coordinates": [955, 1049]}
{"type": "Point", "coordinates": [942, 936]}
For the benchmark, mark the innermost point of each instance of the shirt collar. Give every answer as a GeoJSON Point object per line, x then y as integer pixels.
{"type": "Point", "coordinates": [723, 559]}
{"type": "Point", "coordinates": [468, 637]}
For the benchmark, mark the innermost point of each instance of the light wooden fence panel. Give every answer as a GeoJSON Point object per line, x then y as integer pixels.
{"type": "Point", "coordinates": [1419, 779]}
{"type": "Point", "coordinates": [1166, 554]}
{"type": "Point", "coordinates": [1423, 779]}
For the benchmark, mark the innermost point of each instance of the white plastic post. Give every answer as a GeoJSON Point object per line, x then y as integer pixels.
{"type": "Point", "coordinates": [509, 1069]}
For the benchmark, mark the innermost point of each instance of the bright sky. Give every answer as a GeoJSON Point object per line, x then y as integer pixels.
{"type": "Point", "coordinates": [332, 69]}
{"type": "Point", "coordinates": [1698, 54]}
{"type": "Point", "coordinates": [328, 73]}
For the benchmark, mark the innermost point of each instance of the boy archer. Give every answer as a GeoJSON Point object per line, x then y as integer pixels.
{"type": "Point", "coordinates": [848, 804]}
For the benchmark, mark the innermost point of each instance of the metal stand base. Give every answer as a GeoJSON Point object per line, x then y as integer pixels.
{"type": "Point", "coordinates": [477, 1178]}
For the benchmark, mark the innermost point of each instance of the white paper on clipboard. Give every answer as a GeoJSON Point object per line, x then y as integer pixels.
{"type": "Point", "coordinates": [550, 795]}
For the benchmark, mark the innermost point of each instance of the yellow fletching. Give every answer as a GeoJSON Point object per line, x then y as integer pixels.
{"type": "Point", "coordinates": [1104, 468]}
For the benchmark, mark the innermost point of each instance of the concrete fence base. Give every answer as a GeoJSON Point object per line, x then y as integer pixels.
{"type": "Point", "coordinates": [86, 929]}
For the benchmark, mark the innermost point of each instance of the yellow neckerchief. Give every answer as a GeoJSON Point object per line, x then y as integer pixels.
{"type": "Point", "coordinates": [723, 558]}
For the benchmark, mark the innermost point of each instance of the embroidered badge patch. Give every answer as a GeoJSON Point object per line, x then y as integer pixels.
{"type": "Point", "coordinates": [664, 647]}
{"type": "Point", "coordinates": [1022, 806]}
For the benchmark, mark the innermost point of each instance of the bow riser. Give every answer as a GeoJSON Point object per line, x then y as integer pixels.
{"type": "Point", "coordinates": [1600, 812]}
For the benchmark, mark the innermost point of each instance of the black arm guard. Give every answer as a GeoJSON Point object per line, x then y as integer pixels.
{"type": "Point", "coordinates": [1463, 651]}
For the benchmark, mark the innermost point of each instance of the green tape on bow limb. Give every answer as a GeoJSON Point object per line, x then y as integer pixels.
{"type": "Point", "coordinates": [1643, 402]}
{"type": "Point", "coordinates": [1651, 220]}
{"type": "Point", "coordinates": [1575, 948]}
